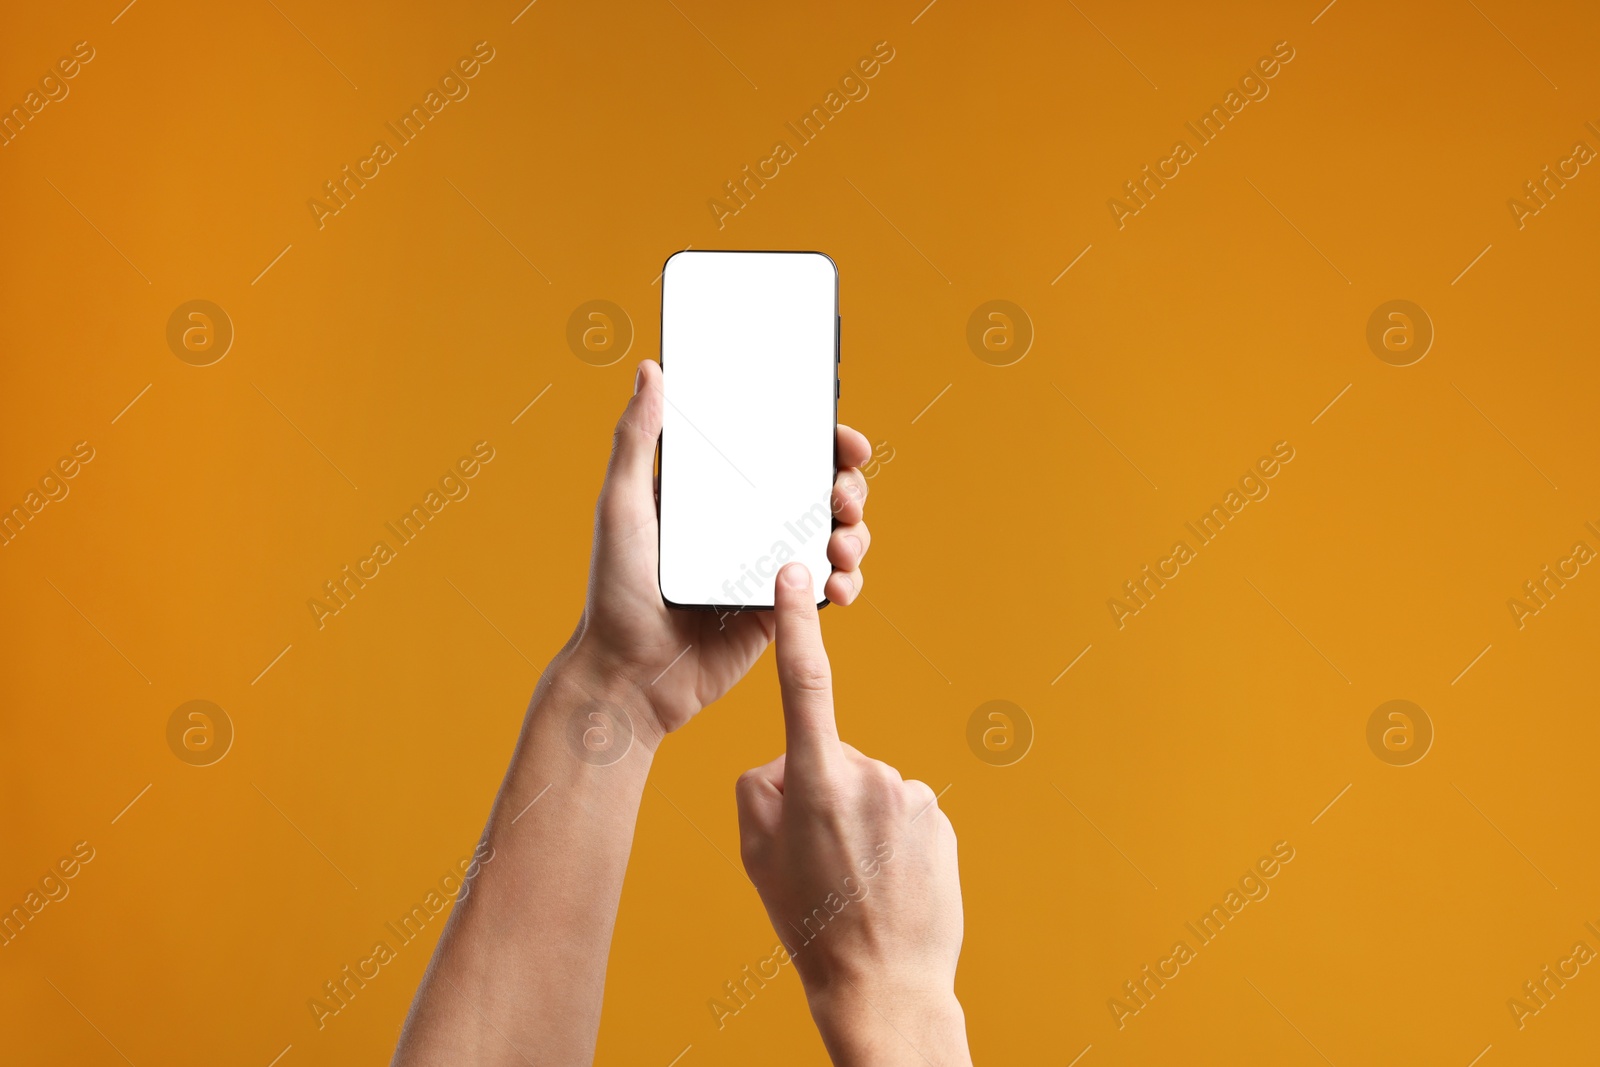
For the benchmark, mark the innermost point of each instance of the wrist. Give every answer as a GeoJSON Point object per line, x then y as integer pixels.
{"type": "Point", "coordinates": [589, 690]}
{"type": "Point", "coordinates": [865, 1023]}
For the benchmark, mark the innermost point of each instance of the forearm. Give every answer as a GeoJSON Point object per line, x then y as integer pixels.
{"type": "Point", "coordinates": [519, 973]}
{"type": "Point", "coordinates": [878, 1029]}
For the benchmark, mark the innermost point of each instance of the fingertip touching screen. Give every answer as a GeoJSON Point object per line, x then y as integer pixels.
{"type": "Point", "coordinates": [747, 441]}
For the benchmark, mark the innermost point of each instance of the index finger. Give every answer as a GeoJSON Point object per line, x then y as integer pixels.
{"type": "Point", "coordinates": [805, 678]}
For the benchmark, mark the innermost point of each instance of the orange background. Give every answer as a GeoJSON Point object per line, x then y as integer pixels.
{"type": "Point", "coordinates": [1223, 318]}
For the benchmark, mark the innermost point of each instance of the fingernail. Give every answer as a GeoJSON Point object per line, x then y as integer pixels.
{"type": "Point", "coordinates": [796, 576]}
{"type": "Point", "coordinates": [638, 379]}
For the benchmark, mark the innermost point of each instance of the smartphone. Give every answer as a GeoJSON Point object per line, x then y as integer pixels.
{"type": "Point", "coordinates": [750, 370]}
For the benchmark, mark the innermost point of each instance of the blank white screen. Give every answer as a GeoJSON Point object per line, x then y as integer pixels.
{"type": "Point", "coordinates": [747, 442]}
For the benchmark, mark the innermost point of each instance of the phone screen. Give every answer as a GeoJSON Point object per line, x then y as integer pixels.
{"type": "Point", "coordinates": [748, 360]}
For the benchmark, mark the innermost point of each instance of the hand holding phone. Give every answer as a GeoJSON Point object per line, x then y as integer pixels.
{"type": "Point", "coordinates": [678, 660]}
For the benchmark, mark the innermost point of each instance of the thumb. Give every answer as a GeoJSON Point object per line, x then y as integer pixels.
{"type": "Point", "coordinates": [630, 475]}
{"type": "Point", "coordinates": [804, 676]}
{"type": "Point", "coordinates": [759, 798]}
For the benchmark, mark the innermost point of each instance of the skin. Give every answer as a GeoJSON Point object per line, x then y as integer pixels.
{"type": "Point", "coordinates": [857, 869]}
{"type": "Point", "coordinates": [519, 972]}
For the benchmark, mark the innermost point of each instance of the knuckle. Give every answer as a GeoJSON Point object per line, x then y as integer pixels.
{"type": "Point", "coordinates": [811, 675]}
{"type": "Point", "coordinates": [881, 783]}
{"type": "Point", "coordinates": [850, 491]}
{"type": "Point", "coordinates": [632, 424]}
{"type": "Point", "coordinates": [887, 772]}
